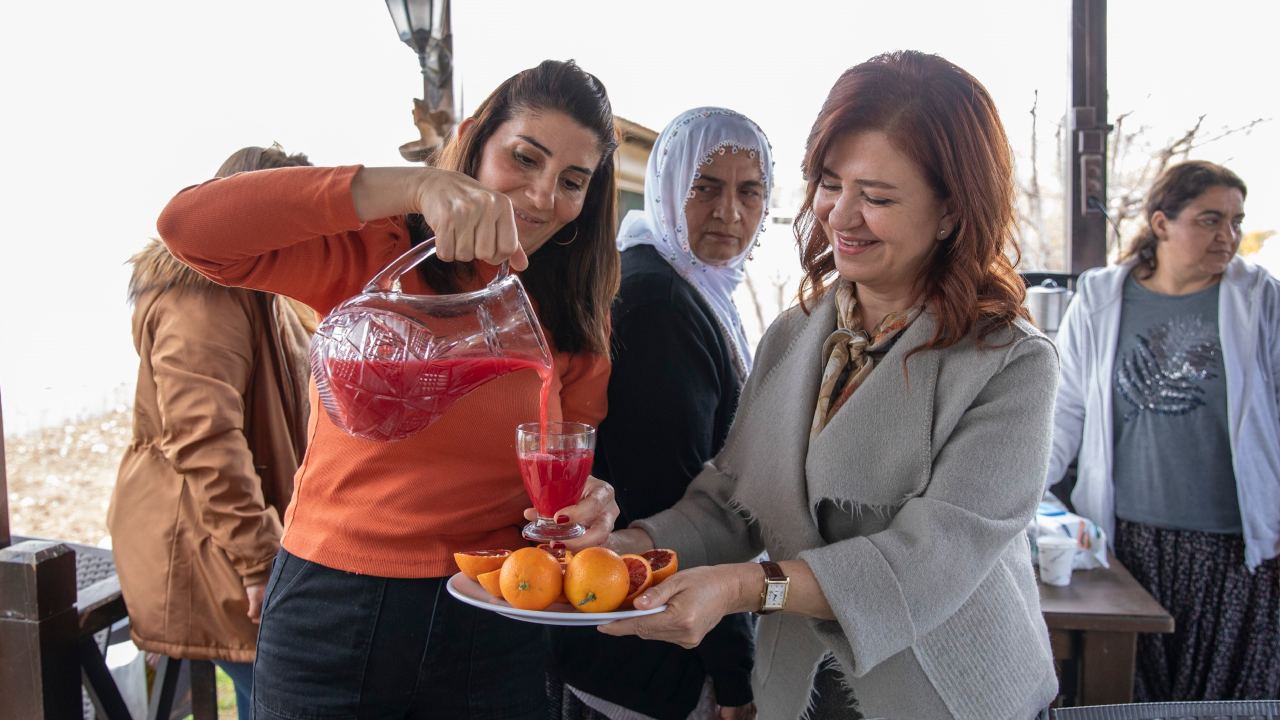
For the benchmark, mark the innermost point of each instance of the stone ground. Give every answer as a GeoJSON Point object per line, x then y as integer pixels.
{"type": "Point", "coordinates": [60, 478]}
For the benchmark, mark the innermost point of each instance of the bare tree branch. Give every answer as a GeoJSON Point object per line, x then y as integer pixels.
{"type": "Point", "coordinates": [1181, 146]}
{"type": "Point", "coordinates": [1057, 139]}
{"type": "Point", "coordinates": [1119, 143]}
{"type": "Point", "coordinates": [1135, 160]}
{"type": "Point", "coordinates": [780, 283]}
{"type": "Point", "coordinates": [1246, 128]}
{"type": "Point", "coordinates": [1034, 197]}
{"type": "Point", "coordinates": [755, 300]}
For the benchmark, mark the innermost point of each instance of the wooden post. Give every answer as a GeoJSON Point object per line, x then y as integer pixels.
{"type": "Point", "coordinates": [204, 690]}
{"type": "Point", "coordinates": [1086, 177]}
{"type": "Point", "coordinates": [5, 538]}
{"type": "Point", "coordinates": [103, 693]}
{"type": "Point", "coordinates": [164, 689]}
{"type": "Point", "coordinates": [1107, 668]}
{"type": "Point", "coordinates": [39, 623]}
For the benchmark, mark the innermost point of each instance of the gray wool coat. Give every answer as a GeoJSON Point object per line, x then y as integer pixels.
{"type": "Point", "coordinates": [910, 507]}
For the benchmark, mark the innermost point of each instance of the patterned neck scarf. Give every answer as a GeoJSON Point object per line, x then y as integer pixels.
{"type": "Point", "coordinates": [848, 353]}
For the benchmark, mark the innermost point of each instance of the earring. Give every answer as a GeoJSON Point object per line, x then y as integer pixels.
{"type": "Point", "coordinates": [570, 241]}
{"type": "Point", "coordinates": [942, 233]}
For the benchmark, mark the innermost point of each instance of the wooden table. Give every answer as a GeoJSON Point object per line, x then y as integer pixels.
{"type": "Point", "coordinates": [1093, 628]}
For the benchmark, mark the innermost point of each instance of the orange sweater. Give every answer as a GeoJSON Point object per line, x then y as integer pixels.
{"type": "Point", "coordinates": [389, 509]}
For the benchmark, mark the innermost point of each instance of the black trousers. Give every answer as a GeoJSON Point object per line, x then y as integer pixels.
{"type": "Point", "coordinates": [338, 645]}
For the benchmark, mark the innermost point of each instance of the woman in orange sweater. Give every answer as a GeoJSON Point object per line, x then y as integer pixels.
{"type": "Point", "coordinates": [356, 622]}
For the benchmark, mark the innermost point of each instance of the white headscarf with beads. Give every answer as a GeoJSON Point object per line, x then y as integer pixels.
{"type": "Point", "coordinates": [684, 146]}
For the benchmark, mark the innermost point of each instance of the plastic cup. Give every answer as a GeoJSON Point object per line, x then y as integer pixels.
{"type": "Point", "coordinates": [1056, 556]}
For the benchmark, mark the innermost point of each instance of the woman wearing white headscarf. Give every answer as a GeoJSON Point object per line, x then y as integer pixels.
{"type": "Point", "coordinates": [679, 360]}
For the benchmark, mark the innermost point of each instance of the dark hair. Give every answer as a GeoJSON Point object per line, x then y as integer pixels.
{"type": "Point", "coordinates": [258, 158]}
{"type": "Point", "coordinates": [573, 283]}
{"type": "Point", "coordinates": [944, 120]}
{"type": "Point", "coordinates": [1172, 191]}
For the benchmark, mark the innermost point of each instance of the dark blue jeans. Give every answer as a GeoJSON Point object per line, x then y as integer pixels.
{"type": "Point", "coordinates": [337, 645]}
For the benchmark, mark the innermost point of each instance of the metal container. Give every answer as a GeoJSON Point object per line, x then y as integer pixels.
{"type": "Point", "coordinates": [1047, 303]}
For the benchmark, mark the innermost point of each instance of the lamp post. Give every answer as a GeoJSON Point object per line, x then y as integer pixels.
{"type": "Point", "coordinates": [424, 25]}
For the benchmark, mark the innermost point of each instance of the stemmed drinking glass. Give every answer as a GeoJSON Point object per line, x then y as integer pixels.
{"type": "Point", "coordinates": [554, 464]}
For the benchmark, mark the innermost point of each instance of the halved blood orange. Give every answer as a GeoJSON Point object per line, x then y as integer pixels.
{"type": "Point", "coordinates": [663, 562]}
{"type": "Point", "coordinates": [474, 562]}
{"type": "Point", "coordinates": [491, 582]}
{"type": "Point", "coordinates": [641, 577]}
{"type": "Point", "coordinates": [564, 555]}
{"type": "Point", "coordinates": [559, 552]}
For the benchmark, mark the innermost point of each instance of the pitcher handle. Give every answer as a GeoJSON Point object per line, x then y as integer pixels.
{"type": "Point", "coordinates": [389, 279]}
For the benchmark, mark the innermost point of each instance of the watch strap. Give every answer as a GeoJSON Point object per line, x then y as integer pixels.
{"type": "Point", "coordinates": [773, 577]}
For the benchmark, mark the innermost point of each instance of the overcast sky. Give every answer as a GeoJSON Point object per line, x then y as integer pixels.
{"type": "Point", "coordinates": [110, 108]}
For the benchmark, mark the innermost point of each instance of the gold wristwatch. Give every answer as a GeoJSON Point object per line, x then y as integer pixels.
{"type": "Point", "coordinates": [776, 582]}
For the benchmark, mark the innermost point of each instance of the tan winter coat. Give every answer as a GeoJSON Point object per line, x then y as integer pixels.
{"type": "Point", "coordinates": [219, 426]}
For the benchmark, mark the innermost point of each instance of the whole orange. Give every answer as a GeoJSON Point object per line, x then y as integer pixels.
{"type": "Point", "coordinates": [530, 579]}
{"type": "Point", "coordinates": [596, 580]}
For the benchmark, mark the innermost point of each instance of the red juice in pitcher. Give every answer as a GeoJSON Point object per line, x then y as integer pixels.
{"type": "Point", "coordinates": [554, 478]}
{"type": "Point", "coordinates": [393, 399]}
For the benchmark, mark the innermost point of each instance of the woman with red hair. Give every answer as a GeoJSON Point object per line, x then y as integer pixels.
{"type": "Point", "coordinates": [890, 443]}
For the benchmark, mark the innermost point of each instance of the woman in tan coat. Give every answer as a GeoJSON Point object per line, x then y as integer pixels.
{"type": "Point", "coordinates": [219, 426]}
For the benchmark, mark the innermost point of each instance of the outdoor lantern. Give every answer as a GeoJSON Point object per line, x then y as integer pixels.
{"type": "Point", "coordinates": [424, 26]}
{"type": "Point", "coordinates": [414, 20]}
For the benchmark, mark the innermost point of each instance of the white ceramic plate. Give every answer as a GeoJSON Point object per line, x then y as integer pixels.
{"type": "Point", "coordinates": [469, 591]}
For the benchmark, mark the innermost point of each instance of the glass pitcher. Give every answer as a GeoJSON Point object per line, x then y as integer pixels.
{"type": "Point", "coordinates": [388, 364]}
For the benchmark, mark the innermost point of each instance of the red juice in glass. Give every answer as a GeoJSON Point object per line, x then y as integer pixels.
{"type": "Point", "coordinates": [554, 479]}
{"type": "Point", "coordinates": [555, 460]}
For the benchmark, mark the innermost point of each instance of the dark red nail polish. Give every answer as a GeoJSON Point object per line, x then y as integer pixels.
{"type": "Point", "coordinates": [562, 519]}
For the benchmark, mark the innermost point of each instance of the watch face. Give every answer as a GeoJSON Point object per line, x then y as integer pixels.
{"type": "Point", "coordinates": [775, 594]}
